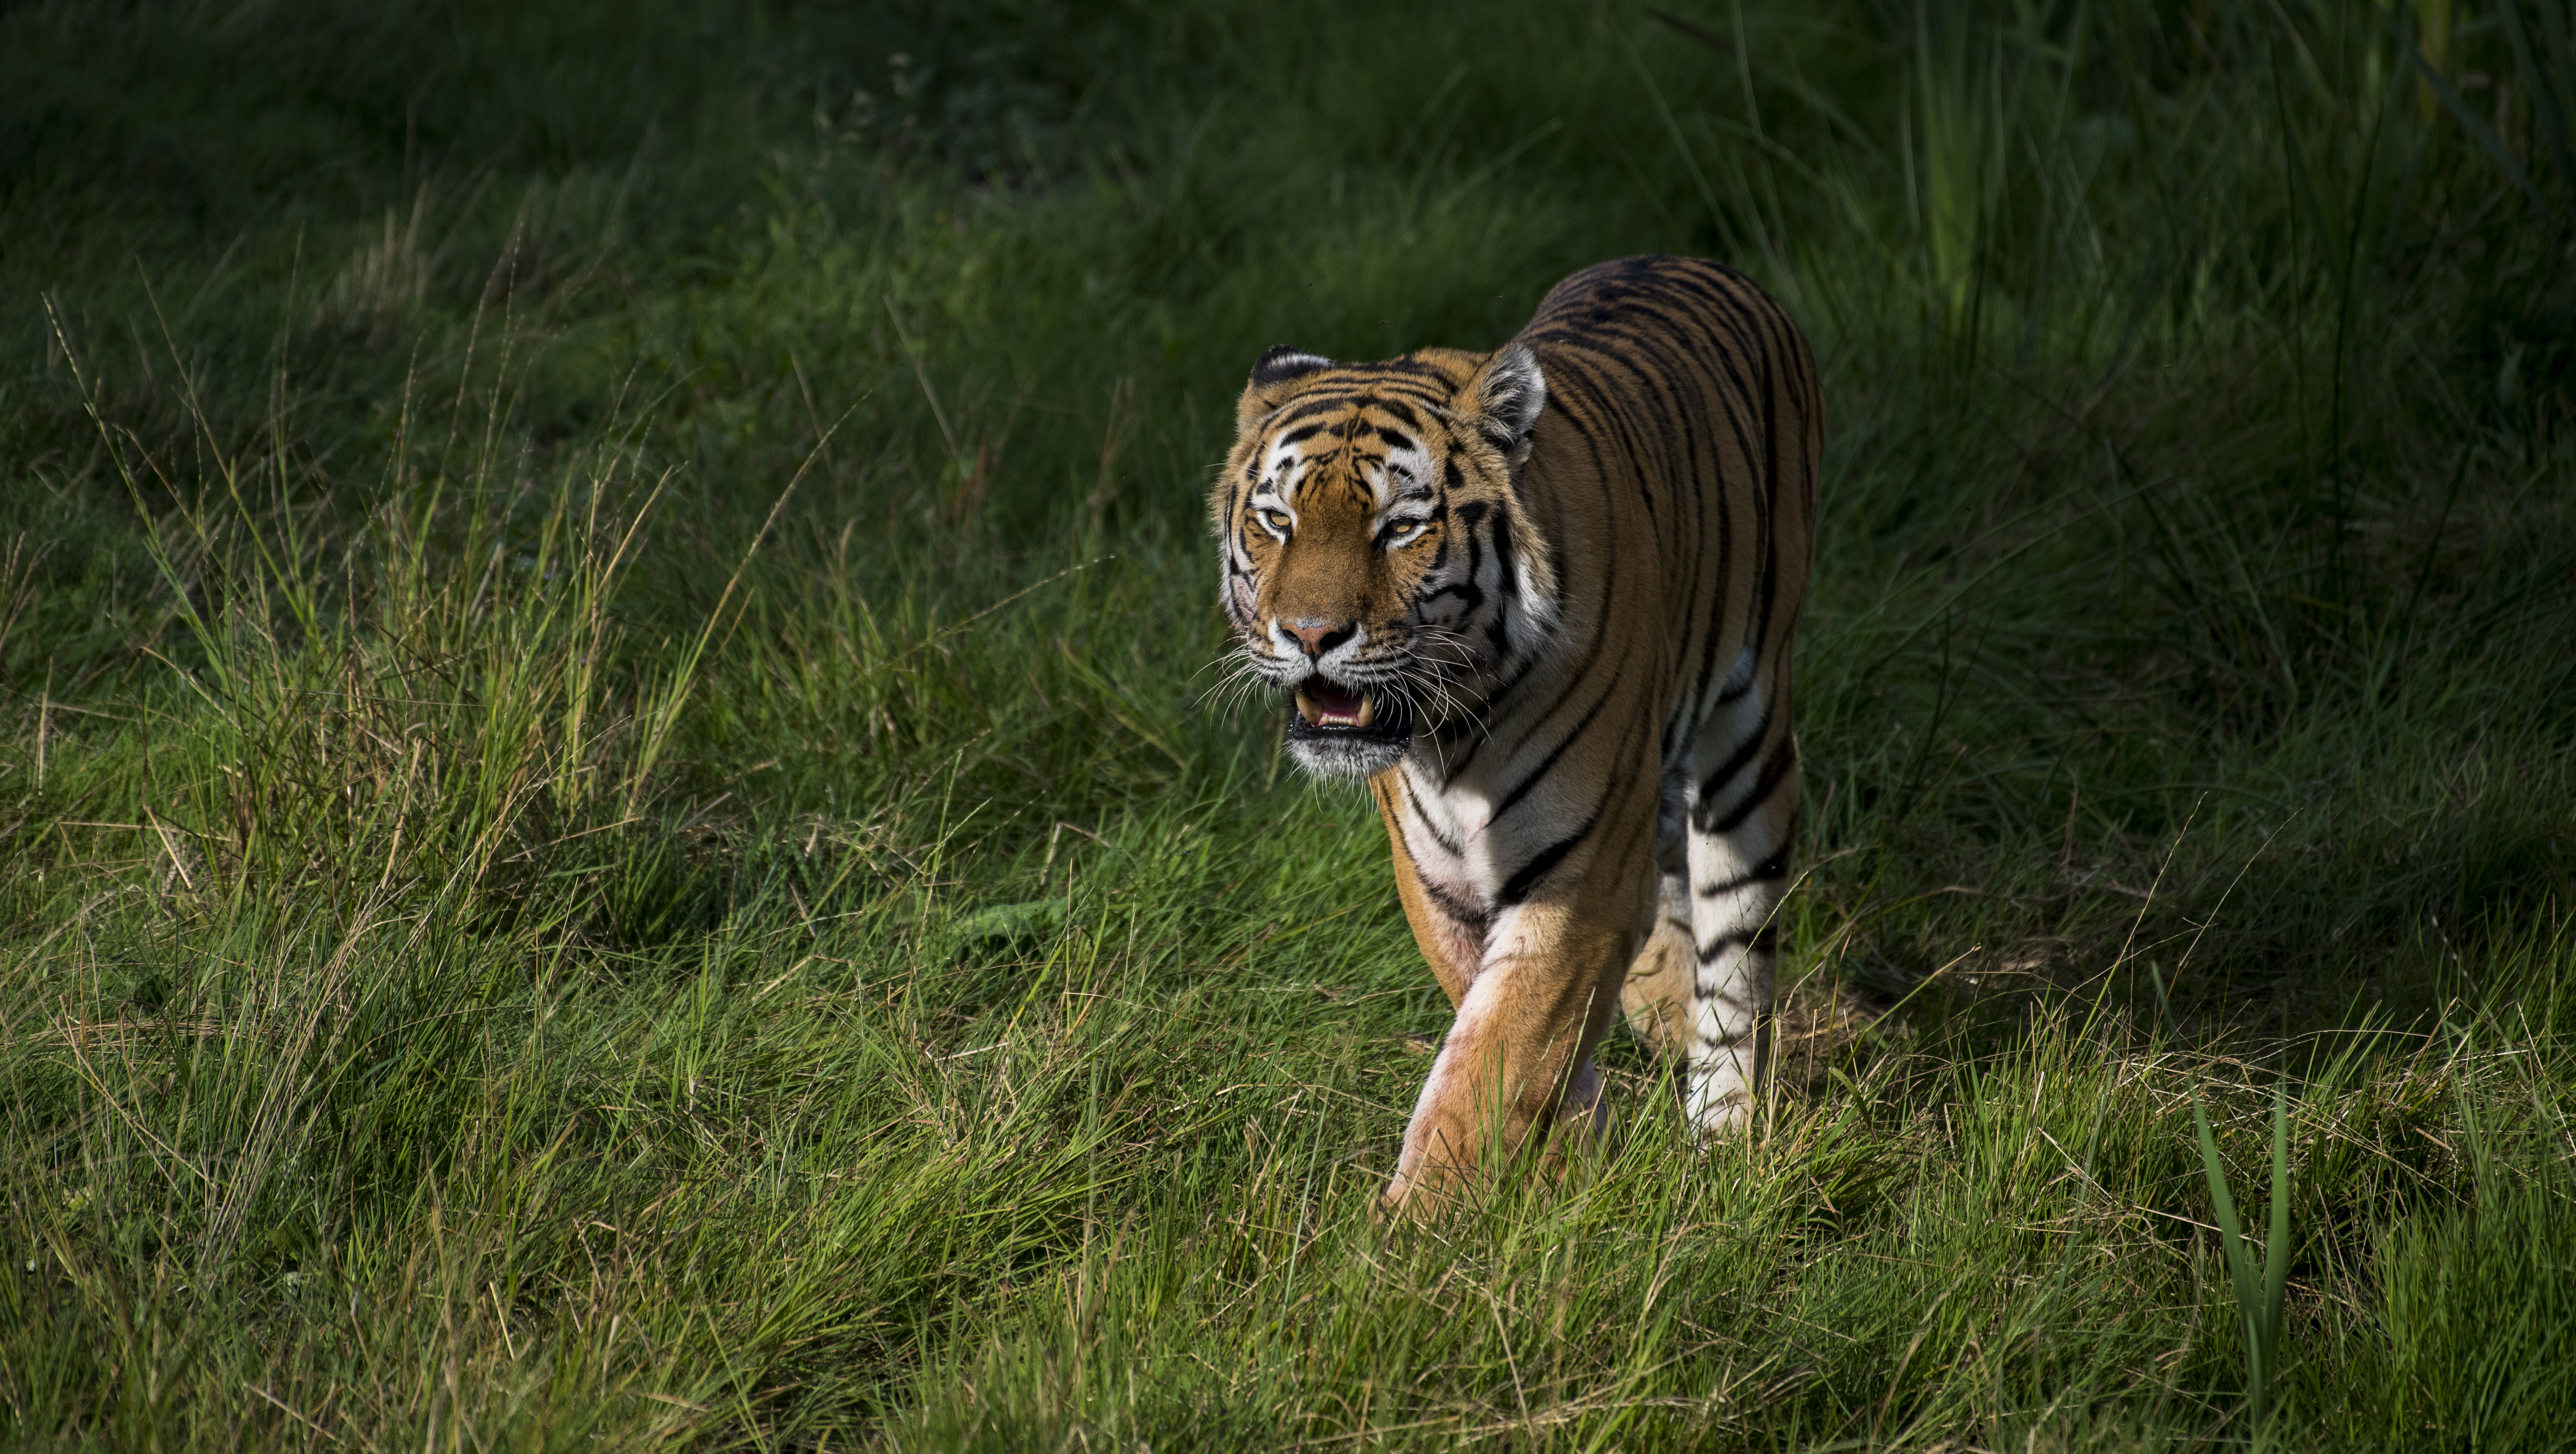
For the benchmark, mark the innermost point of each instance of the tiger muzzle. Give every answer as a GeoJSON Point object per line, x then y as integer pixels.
{"type": "Point", "coordinates": [1330, 711]}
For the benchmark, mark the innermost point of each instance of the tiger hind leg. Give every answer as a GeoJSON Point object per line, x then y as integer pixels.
{"type": "Point", "coordinates": [1657, 995]}
{"type": "Point", "coordinates": [1742, 815]}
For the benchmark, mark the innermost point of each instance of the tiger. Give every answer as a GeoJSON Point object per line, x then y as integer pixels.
{"type": "Point", "coordinates": [1541, 601]}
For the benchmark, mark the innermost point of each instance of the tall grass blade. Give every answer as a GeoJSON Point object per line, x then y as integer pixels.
{"type": "Point", "coordinates": [2478, 130]}
{"type": "Point", "coordinates": [2541, 76]}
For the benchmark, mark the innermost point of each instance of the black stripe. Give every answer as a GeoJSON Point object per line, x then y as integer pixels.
{"type": "Point", "coordinates": [1558, 751]}
{"type": "Point", "coordinates": [1471, 915]}
{"type": "Point", "coordinates": [1507, 584]}
{"type": "Point", "coordinates": [1443, 839]}
{"type": "Point", "coordinates": [1472, 594]}
{"type": "Point", "coordinates": [1724, 697]}
{"type": "Point", "coordinates": [1743, 754]}
{"type": "Point", "coordinates": [1765, 940]}
{"type": "Point", "coordinates": [1711, 644]}
{"type": "Point", "coordinates": [1409, 367]}
{"type": "Point", "coordinates": [1767, 871]}
{"type": "Point", "coordinates": [1772, 773]}
{"type": "Point", "coordinates": [1501, 542]}
{"type": "Point", "coordinates": [1522, 882]}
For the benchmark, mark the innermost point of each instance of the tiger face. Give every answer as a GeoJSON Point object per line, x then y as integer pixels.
{"type": "Point", "coordinates": [1378, 566]}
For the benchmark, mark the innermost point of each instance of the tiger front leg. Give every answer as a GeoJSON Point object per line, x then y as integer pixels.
{"type": "Point", "coordinates": [1517, 1061]}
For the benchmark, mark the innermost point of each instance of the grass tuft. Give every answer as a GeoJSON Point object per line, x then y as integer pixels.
{"type": "Point", "coordinates": [619, 826]}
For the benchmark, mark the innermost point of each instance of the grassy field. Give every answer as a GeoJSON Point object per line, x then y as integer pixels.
{"type": "Point", "coordinates": [612, 836]}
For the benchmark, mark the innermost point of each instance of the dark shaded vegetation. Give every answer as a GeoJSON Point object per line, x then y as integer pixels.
{"type": "Point", "coordinates": [609, 832]}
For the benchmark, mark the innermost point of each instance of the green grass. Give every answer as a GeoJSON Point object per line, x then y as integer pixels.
{"type": "Point", "coordinates": [611, 836]}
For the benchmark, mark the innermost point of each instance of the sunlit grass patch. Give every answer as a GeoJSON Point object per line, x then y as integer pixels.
{"type": "Point", "coordinates": [618, 826]}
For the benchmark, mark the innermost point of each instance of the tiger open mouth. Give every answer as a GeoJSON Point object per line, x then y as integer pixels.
{"type": "Point", "coordinates": [1326, 708]}
{"type": "Point", "coordinates": [1329, 704]}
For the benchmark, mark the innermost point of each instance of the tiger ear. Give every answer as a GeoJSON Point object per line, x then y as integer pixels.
{"type": "Point", "coordinates": [1505, 398]}
{"type": "Point", "coordinates": [1277, 367]}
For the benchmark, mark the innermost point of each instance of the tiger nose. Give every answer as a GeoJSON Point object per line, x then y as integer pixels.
{"type": "Point", "coordinates": [1319, 637]}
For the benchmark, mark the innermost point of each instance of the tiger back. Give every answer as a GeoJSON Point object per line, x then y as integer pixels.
{"type": "Point", "coordinates": [1542, 601]}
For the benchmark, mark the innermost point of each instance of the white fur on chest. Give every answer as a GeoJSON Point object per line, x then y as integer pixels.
{"type": "Point", "coordinates": [1447, 835]}
{"type": "Point", "coordinates": [1467, 840]}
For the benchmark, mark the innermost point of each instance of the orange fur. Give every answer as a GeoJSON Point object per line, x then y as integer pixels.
{"type": "Point", "coordinates": [1543, 599]}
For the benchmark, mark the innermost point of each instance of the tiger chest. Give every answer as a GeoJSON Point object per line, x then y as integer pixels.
{"type": "Point", "coordinates": [1461, 854]}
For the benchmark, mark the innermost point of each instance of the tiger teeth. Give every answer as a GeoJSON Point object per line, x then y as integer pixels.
{"type": "Point", "coordinates": [1315, 717]}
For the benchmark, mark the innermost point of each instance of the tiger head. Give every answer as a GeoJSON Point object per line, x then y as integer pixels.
{"type": "Point", "coordinates": [1378, 562]}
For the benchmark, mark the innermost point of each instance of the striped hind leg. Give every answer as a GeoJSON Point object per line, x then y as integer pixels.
{"type": "Point", "coordinates": [1657, 995]}
{"type": "Point", "coordinates": [1743, 814]}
